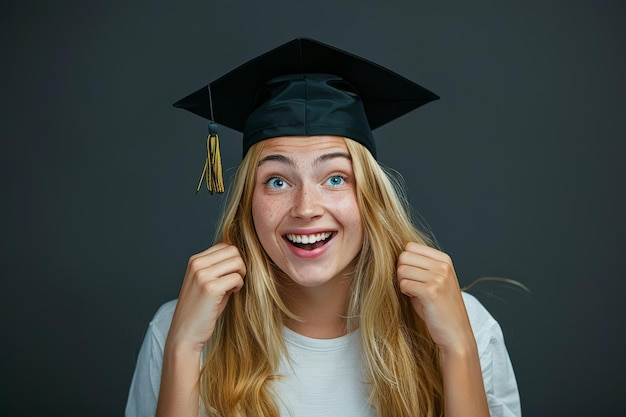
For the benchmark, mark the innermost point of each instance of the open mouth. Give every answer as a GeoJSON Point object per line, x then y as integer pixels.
{"type": "Point", "coordinates": [309, 242]}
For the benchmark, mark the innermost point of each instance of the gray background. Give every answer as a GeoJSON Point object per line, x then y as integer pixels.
{"type": "Point", "coordinates": [517, 169]}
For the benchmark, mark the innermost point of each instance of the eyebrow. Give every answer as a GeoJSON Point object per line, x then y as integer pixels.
{"type": "Point", "coordinates": [332, 155]}
{"type": "Point", "coordinates": [289, 161]}
{"type": "Point", "coordinates": [278, 158]}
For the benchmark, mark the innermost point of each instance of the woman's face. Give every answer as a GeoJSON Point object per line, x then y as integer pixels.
{"type": "Point", "coordinates": [304, 207]}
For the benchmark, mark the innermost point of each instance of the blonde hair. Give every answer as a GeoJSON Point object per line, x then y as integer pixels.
{"type": "Point", "coordinates": [401, 363]}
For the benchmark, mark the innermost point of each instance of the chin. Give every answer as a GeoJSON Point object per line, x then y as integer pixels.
{"type": "Point", "coordinates": [308, 278]}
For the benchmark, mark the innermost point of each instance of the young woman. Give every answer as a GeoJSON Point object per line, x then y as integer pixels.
{"type": "Point", "coordinates": [319, 297]}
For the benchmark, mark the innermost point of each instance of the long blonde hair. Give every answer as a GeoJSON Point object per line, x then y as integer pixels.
{"type": "Point", "coordinates": [400, 362]}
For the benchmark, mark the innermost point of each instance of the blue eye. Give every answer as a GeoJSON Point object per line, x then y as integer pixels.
{"type": "Point", "coordinates": [276, 182]}
{"type": "Point", "coordinates": [335, 180]}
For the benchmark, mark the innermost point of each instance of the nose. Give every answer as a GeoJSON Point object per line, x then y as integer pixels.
{"type": "Point", "coordinates": [307, 202]}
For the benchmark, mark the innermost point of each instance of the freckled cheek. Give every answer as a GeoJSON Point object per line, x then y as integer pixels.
{"type": "Point", "coordinates": [267, 213]}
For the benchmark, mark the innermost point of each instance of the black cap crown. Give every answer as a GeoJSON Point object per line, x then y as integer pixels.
{"type": "Point", "coordinates": [304, 88]}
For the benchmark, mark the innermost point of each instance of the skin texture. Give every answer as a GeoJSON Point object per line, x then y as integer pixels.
{"type": "Point", "coordinates": [305, 186]}
{"type": "Point", "coordinates": [427, 276]}
{"type": "Point", "coordinates": [210, 278]}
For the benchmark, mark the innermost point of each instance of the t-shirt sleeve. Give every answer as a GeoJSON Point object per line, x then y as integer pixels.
{"type": "Point", "coordinates": [498, 375]}
{"type": "Point", "coordinates": [144, 387]}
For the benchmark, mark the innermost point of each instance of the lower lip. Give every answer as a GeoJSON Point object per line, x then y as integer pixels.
{"type": "Point", "coordinates": [309, 254]}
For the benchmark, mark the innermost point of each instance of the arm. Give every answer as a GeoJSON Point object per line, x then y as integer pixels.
{"type": "Point", "coordinates": [179, 392]}
{"type": "Point", "coordinates": [464, 392]}
{"type": "Point", "coordinates": [427, 276]}
{"type": "Point", "coordinates": [211, 277]}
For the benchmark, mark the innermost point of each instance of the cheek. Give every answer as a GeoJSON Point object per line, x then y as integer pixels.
{"type": "Point", "coordinates": [350, 216]}
{"type": "Point", "coordinates": [266, 216]}
{"type": "Point", "coordinates": [265, 213]}
{"type": "Point", "coordinates": [259, 218]}
{"type": "Point", "coordinates": [259, 212]}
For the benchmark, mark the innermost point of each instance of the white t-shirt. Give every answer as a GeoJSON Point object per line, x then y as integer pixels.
{"type": "Point", "coordinates": [323, 377]}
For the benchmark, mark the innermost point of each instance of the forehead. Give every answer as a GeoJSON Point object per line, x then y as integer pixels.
{"type": "Point", "coordinates": [303, 145]}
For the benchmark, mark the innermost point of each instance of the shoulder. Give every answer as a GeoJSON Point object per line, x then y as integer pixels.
{"type": "Point", "coordinates": [160, 324]}
{"type": "Point", "coordinates": [144, 388]}
{"type": "Point", "coordinates": [478, 314]}
{"type": "Point", "coordinates": [166, 311]}
{"type": "Point", "coordinates": [484, 326]}
{"type": "Point", "coordinates": [498, 375]}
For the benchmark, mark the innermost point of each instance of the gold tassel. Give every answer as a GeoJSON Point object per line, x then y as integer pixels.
{"type": "Point", "coordinates": [212, 171]}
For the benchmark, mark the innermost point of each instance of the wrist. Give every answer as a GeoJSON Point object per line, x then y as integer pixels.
{"type": "Point", "coordinates": [461, 349]}
{"type": "Point", "coordinates": [179, 351]}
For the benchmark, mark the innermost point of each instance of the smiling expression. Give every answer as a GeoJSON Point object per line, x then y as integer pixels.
{"type": "Point", "coordinates": [305, 210]}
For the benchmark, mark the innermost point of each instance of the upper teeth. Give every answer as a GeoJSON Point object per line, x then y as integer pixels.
{"type": "Point", "coordinates": [306, 239]}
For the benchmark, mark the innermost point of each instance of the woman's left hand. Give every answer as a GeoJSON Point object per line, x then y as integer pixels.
{"type": "Point", "coordinates": [427, 276]}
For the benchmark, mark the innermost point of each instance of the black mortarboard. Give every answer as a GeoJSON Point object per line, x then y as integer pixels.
{"type": "Point", "coordinates": [304, 88]}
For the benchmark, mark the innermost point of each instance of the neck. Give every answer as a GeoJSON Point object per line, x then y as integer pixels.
{"type": "Point", "coordinates": [322, 309]}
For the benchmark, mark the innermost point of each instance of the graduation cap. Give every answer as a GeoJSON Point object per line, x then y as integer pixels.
{"type": "Point", "coordinates": [302, 88]}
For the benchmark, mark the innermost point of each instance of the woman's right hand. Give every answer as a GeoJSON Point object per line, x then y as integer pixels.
{"type": "Point", "coordinates": [212, 275]}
